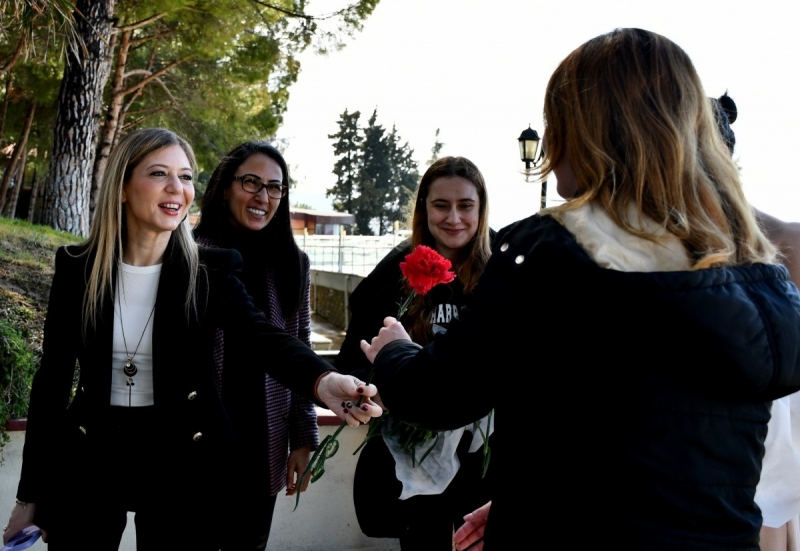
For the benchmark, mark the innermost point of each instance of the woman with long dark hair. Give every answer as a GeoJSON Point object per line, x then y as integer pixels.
{"type": "Point", "coordinates": [246, 207]}
{"type": "Point", "coordinates": [396, 495]}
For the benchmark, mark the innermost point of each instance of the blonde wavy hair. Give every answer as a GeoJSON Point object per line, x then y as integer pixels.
{"type": "Point", "coordinates": [629, 108]}
{"type": "Point", "coordinates": [107, 234]}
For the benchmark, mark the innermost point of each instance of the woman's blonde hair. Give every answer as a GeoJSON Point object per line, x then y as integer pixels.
{"type": "Point", "coordinates": [470, 260]}
{"type": "Point", "coordinates": [107, 235]}
{"type": "Point", "coordinates": [629, 109]}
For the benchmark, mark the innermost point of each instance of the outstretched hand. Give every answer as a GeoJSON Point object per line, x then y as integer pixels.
{"type": "Point", "coordinates": [392, 330]}
{"type": "Point", "coordinates": [472, 529]}
{"type": "Point", "coordinates": [340, 394]}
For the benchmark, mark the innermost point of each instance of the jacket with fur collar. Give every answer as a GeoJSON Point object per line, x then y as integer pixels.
{"type": "Point", "coordinates": [635, 402]}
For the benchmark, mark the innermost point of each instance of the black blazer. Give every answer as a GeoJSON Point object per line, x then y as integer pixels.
{"type": "Point", "coordinates": [65, 438]}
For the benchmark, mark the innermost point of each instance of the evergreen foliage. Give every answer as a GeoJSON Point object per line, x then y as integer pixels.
{"type": "Point", "coordinates": [216, 71]}
{"type": "Point", "coordinates": [376, 174]}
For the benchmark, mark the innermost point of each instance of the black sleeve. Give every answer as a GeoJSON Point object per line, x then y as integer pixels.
{"type": "Point", "coordinates": [374, 299]}
{"type": "Point", "coordinates": [52, 383]}
{"type": "Point", "coordinates": [462, 368]}
{"type": "Point", "coordinates": [285, 358]}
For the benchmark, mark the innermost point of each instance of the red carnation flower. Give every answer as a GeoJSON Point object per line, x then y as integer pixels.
{"type": "Point", "coordinates": [424, 269]}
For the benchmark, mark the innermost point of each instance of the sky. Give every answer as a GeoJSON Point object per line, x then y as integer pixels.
{"type": "Point", "coordinates": [477, 71]}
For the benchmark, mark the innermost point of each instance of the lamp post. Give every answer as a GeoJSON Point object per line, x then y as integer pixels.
{"type": "Point", "coordinates": [528, 147]}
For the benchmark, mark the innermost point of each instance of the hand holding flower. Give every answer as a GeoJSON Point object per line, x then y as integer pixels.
{"type": "Point", "coordinates": [335, 389]}
{"type": "Point", "coordinates": [392, 330]}
{"type": "Point", "coordinates": [351, 400]}
{"type": "Point", "coordinates": [423, 268]}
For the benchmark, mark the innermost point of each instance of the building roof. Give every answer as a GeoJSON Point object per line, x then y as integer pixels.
{"type": "Point", "coordinates": [322, 217]}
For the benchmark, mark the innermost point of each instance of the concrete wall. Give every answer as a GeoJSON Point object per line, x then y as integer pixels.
{"type": "Point", "coordinates": [324, 521]}
{"type": "Point", "coordinates": [330, 292]}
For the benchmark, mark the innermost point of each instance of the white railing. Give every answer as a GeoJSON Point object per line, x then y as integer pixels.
{"type": "Point", "coordinates": [352, 254]}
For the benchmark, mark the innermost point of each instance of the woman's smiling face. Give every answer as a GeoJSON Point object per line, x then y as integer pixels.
{"type": "Point", "coordinates": [157, 196]}
{"type": "Point", "coordinates": [453, 210]}
{"type": "Point", "coordinates": [253, 211]}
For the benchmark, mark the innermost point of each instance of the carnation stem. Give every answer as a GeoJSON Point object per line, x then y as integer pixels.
{"type": "Point", "coordinates": [327, 448]}
{"type": "Point", "coordinates": [403, 307]}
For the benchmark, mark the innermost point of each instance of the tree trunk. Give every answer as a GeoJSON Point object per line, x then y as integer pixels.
{"type": "Point", "coordinates": [6, 99]}
{"type": "Point", "coordinates": [109, 130]}
{"type": "Point", "coordinates": [18, 182]}
{"type": "Point", "coordinates": [34, 196]}
{"type": "Point", "coordinates": [19, 148]}
{"type": "Point", "coordinates": [69, 180]}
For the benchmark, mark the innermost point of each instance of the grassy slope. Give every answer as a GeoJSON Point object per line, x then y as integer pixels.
{"type": "Point", "coordinates": [27, 253]}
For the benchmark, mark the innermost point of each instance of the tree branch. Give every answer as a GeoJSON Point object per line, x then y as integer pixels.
{"type": "Point", "coordinates": [302, 15]}
{"type": "Point", "coordinates": [16, 54]}
{"type": "Point", "coordinates": [148, 38]}
{"type": "Point", "coordinates": [152, 76]}
{"type": "Point", "coordinates": [142, 23]}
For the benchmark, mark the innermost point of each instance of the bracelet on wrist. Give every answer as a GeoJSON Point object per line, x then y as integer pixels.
{"type": "Point", "coordinates": [21, 503]}
{"type": "Point", "coordinates": [316, 384]}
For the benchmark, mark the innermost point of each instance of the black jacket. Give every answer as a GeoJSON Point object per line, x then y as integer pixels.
{"type": "Point", "coordinates": [65, 439]}
{"type": "Point", "coordinates": [376, 489]}
{"type": "Point", "coordinates": [629, 407]}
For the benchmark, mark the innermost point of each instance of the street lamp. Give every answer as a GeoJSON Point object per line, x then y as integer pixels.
{"type": "Point", "coordinates": [528, 147]}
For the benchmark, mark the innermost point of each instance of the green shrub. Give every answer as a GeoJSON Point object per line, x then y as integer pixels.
{"type": "Point", "coordinates": [27, 255]}
{"type": "Point", "coordinates": [18, 363]}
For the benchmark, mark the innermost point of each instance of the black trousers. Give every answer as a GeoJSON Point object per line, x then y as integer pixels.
{"type": "Point", "coordinates": [124, 477]}
{"type": "Point", "coordinates": [253, 532]}
{"type": "Point", "coordinates": [423, 522]}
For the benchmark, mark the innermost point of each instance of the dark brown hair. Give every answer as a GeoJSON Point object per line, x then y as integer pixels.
{"type": "Point", "coordinates": [277, 237]}
{"type": "Point", "coordinates": [470, 259]}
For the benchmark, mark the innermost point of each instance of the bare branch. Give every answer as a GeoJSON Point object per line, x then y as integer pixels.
{"type": "Point", "coordinates": [152, 76]}
{"type": "Point", "coordinates": [150, 37]}
{"type": "Point", "coordinates": [281, 10]}
{"type": "Point", "coordinates": [17, 53]}
{"type": "Point", "coordinates": [172, 98]}
{"type": "Point", "coordinates": [302, 15]}
{"type": "Point", "coordinates": [142, 23]}
{"type": "Point", "coordinates": [137, 121]}
{"type": "Point", "coordinates": [134, 72]}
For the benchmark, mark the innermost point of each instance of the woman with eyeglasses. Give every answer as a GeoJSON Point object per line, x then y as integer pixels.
{"type": "Point", "coordinates": [246, 208]}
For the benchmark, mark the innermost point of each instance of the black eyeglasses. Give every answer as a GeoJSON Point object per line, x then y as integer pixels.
{"type": "Point", "coordinates": [253, 185]}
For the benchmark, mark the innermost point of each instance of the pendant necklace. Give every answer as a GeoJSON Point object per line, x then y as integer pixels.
{"type": "Point", "coordinates": [130, 369]}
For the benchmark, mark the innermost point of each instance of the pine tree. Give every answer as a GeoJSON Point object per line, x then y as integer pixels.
{"type": "Point", "coordinates": [347, 147]}
{"type": "Point", "coordinates": [403, 181]}
{"type": "Point", "coordinates": [376, 176]}
{"type": "Point", "coordinates": [436, 150]}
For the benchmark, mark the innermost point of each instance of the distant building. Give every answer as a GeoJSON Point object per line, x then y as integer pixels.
{"type": "Point", "coordinates": [314, 222]}
{"type": "Point", "coordinates": [310, 222]}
